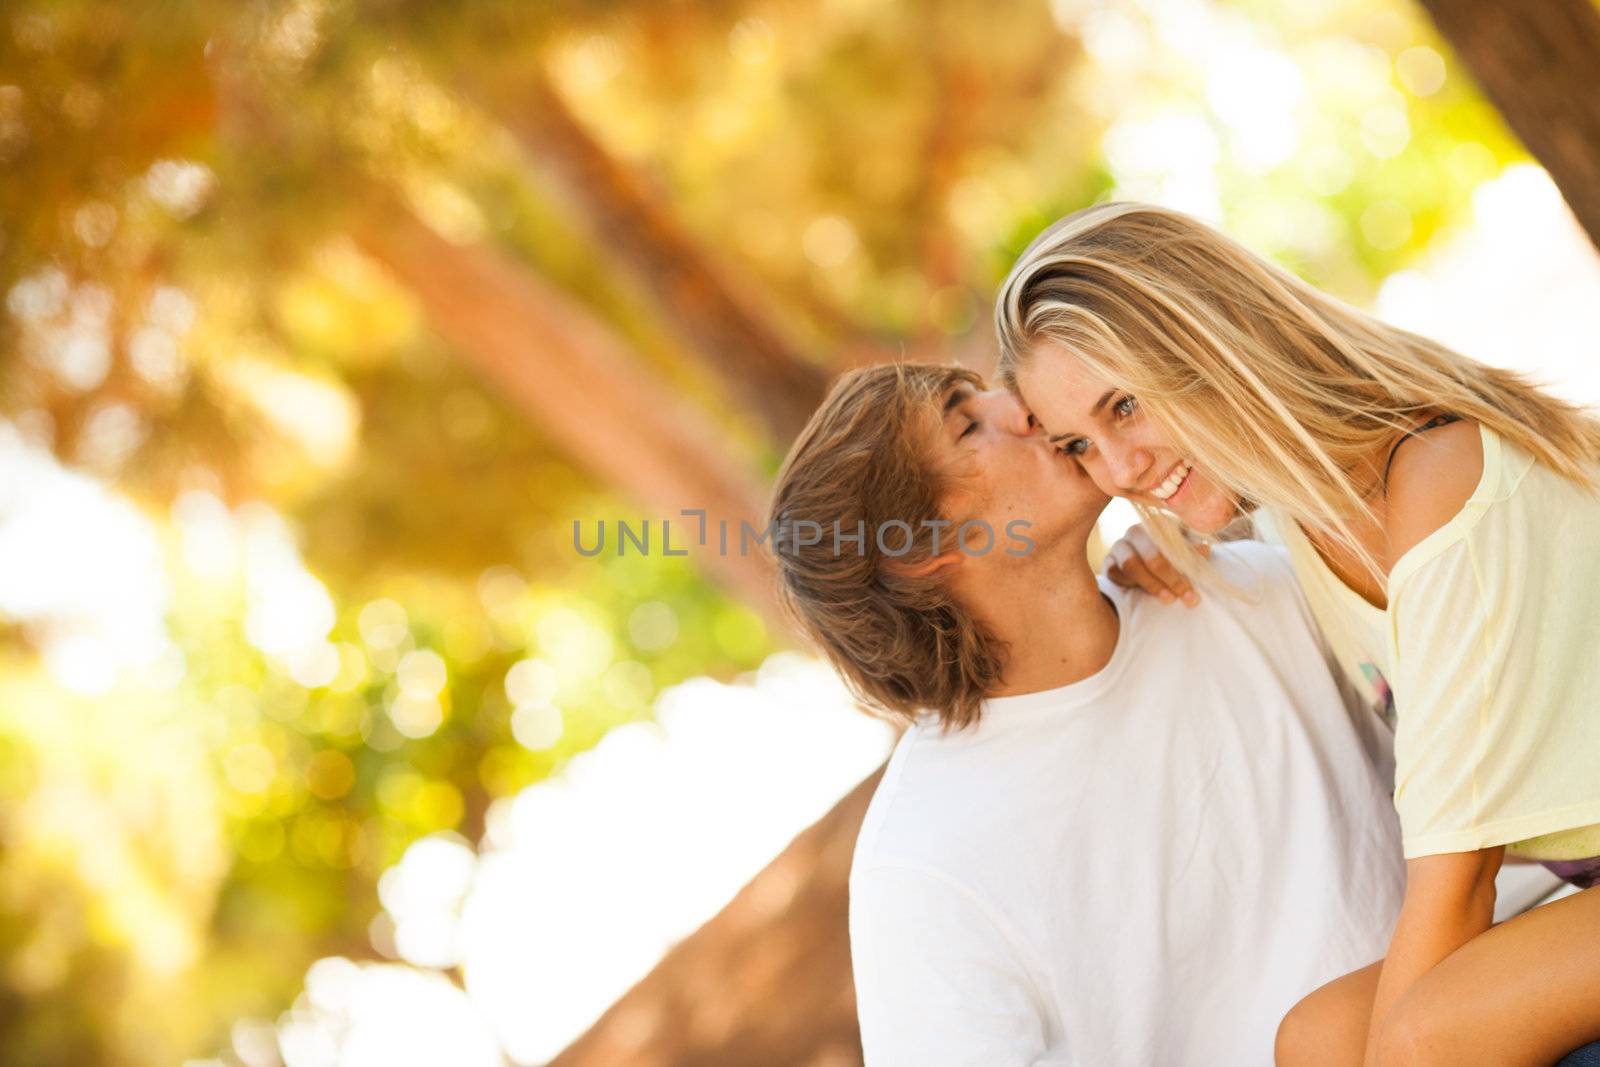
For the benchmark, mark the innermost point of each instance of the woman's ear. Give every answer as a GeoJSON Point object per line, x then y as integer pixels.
{"type": "Point", "coordinates": [931, 565]}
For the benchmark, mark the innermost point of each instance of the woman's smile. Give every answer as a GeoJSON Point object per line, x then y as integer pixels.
{"type": "Point", "coordinates": [1174, 482]}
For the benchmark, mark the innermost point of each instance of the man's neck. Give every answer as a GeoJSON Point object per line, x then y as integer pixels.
{"type": "Point", "coordinates": [1058, 626]}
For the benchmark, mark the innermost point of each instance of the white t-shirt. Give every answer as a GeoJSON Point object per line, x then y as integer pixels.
{"type": "Point", "coordinates": [1149, 866]}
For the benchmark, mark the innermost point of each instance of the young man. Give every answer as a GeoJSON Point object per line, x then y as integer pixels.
{"type": "Point", "coordinates": [1111, 834]}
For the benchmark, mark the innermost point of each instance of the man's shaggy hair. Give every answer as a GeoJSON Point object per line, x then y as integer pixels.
{"type": "Point", "coordinates": [904, 644]}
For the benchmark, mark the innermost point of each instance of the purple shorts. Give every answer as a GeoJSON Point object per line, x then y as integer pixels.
{"type": "Point", "coordinates": [1581, 873]}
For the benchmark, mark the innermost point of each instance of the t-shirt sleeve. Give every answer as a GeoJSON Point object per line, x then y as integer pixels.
{"type": "Point", "coordinates": [1494, 685]}
{"type": "Point", "coordinates": [937, 982]}
{"type": "Point", "coordinates": [1443, 688]}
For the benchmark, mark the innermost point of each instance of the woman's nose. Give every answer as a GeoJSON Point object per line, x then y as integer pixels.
{"type": "Point", "coordinates": [1129, 466]}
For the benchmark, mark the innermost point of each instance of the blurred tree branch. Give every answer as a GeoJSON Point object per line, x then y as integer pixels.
{"type": "Point", "coordinates": [550, 358]}
{"type": "Point", "coordinates": [1536, 63]}
{"type": "Point", "coordinates": [557, 363]}
{"type": "Point", "coordinates": [722, 321]}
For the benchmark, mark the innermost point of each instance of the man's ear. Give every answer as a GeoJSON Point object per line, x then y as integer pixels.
{"type": "Point", "coordinates": [931, 565]}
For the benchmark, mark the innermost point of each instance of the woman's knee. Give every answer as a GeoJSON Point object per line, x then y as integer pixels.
{"type": "Point", "coordinates": [1302, 1035]}
{"type": "Point", "coordinates": [1329, 1025]}
{"type": "Point", "coordinates": [1412, 1036]}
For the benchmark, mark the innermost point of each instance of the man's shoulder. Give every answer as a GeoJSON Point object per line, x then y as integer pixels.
{"type": "Point", "coordinates": [1258, 580]}
{"type": "Point", "coordinates": [927, 859]}
{"type": "Point", "coordinates": [1250, 559]}
{"type": "Point", "coordinates": [926, 809]}
{"type": "Point", "coordinates": [1254, 596]}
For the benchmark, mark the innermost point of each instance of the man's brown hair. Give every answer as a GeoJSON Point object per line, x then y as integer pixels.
{"type": "Point", "coordinates": [903, 643]}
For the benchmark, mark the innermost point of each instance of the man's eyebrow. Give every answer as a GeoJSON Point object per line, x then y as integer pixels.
{"type": "Point", "coordinates": [957, 395]}
{"type": "Point", "coordinates": [1098, 404]}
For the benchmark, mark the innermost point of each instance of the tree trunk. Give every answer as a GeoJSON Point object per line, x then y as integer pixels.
{"type": "Point", "coordinates": [765, 982]}
{"type": "Point", "coordinates": [565, 369]}
{"type": "Point", "coordinates": [721, 321]}
{"type": "Point", "coordinates": [1536, 63]}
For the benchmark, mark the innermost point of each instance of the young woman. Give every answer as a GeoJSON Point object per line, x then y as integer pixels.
{"type": "Point", "coordinates": [1444, 520]}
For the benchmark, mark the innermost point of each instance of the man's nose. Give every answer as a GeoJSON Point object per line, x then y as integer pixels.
{"type": "Point", "coordinates": [1013, 415]}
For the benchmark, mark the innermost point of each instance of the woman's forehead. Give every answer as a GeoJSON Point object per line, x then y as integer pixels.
{"type": "Point", "coordinates": [1065, 373]}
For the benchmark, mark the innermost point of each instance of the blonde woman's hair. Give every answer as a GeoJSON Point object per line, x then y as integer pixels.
{"type": "Point", "coordinates": [1278, 389]}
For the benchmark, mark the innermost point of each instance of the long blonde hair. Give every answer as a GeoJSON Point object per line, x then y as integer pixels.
{"type": "Point", "coordinates": [1277, 388]}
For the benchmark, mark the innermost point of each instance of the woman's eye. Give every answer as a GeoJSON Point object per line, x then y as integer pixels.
{"type": "Point", "coordinates": [1126, 406]}
{"type": "Point", "coordinates": [970, 427]}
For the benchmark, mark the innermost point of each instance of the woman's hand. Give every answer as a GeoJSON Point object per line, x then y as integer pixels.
{"type": "Point", "coordinates": [1135, 562]}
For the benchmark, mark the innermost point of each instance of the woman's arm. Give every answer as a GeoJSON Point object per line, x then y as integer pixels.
{"type": "Point", "coordinates": [1449, 901]}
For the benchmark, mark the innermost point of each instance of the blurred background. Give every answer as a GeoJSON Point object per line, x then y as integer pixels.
{"type": "Point", "coordinates": [325, 321]}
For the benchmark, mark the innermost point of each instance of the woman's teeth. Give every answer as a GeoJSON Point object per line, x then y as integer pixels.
{"type": "Point", "coordinates": [1174, 480]}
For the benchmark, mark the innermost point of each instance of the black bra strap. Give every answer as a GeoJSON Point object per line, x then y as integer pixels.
{"type": "Point", "coordinates": [1432, 424]}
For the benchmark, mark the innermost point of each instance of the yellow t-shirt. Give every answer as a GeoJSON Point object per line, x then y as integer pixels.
{"type": "Point", "coordinates": [1356, 631]}
{"type": "Point", "coordinates": [1492, 649]}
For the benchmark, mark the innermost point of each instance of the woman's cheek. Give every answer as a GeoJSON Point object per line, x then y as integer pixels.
{"type": "Point", "coordinates": [1215, 506]}
{"type": "Point", "coordinates": [1101, 477]}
